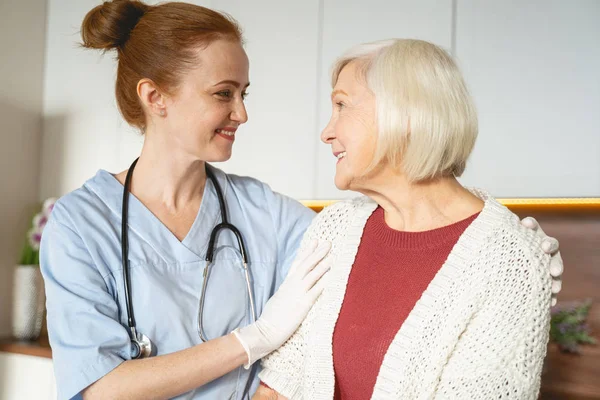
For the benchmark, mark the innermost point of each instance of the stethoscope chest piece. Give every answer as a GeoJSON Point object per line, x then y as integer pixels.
{"type": "Point", "coordinates": [141, 346]}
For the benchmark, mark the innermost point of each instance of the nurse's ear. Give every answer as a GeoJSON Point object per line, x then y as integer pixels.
{"type": "Point", "coordinates": [153, 100]}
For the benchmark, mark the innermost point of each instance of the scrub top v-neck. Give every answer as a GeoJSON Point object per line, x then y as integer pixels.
{"type": "Point", "coordinates": [80, 258]}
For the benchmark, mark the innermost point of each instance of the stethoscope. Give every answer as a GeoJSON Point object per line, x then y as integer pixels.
{"type": "Point", "coordinates": [141, 345]}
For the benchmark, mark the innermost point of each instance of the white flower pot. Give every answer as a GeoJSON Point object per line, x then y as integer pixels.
{"type": "Point", "coordinates": [28, 302]}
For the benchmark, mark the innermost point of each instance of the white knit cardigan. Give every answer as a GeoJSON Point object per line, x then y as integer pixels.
{"type": "Point", "coordinates": [479, 331]}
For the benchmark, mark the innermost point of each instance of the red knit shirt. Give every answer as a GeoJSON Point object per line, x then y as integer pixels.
{"type": "Point", "coordinates": [391, 271]}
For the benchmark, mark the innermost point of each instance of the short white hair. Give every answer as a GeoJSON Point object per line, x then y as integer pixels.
{"type": "Point", "coordinates": [427, 122]}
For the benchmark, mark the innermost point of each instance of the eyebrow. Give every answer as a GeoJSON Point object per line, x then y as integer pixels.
{"type": "Point", "coordinates": [338, 91]}
{"type": "Point", "coordinates": [233, 83]}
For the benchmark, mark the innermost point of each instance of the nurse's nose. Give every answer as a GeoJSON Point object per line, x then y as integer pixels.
{"type": "Point", "coordinates": [239, 113]}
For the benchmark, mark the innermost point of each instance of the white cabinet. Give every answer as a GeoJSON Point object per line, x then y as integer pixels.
{"type": "Point", "coordinates": [26, 377]}
{"type": "Point", "coordinates": [533, 68]}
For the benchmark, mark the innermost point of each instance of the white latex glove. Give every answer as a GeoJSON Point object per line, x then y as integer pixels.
{"type": "Point", "coordinates": [550, 246]}
{"type": "Point", "coordinates": [288, 307]}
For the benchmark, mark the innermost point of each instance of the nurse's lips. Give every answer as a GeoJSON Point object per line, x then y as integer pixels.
{"type": "Point", "coordinates": [226, 133]}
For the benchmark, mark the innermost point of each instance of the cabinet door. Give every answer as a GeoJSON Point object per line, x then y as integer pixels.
{"type": "Point", "coordinates": [533, 68]}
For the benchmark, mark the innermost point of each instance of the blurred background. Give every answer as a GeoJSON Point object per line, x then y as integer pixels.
{"type": "Point", "coordinates": [533, 68]}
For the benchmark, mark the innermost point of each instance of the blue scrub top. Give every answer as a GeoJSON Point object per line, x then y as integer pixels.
{"type": "Point", "coordinates": [80, 259]}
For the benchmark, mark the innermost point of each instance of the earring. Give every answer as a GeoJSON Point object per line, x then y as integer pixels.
{"type": "Point", "coordinates": [162, 112]}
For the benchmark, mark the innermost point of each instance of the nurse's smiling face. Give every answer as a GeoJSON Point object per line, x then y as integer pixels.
{"type": "Point", "coordinates": [203, 114]}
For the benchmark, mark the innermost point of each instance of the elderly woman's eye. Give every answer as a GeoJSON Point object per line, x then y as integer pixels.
{"type": "Point", "coordinates": [224, 93]}
{"type": "Point", "coordinates": [244, 95]}
{"type": "Point", "coordinates": [340, 105]}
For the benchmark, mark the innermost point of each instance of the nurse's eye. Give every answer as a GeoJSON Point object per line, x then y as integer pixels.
{"type": "Point", "coordinates": [226, 94]}
{"type": "Point", "coordinates": [244, 95]}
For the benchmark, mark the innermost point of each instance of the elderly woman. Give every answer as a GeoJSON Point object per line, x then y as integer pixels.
{"type": "Point", "coordinates": [436, 290]}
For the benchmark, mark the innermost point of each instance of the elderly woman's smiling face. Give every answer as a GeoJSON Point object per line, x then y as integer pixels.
{"type": "Point", "coordinates": [352, 129]}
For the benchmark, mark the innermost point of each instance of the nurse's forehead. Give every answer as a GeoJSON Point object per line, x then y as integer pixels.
{"type": "Point", "coordinates": [215, 73]}
{"type": "Point", "coordinates": [211, 75]}
{"type": "Point", "coordinates": [222, 61]}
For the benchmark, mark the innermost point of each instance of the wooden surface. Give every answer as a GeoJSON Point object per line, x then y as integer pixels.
{"type": "Point", "coordinates": [573, 377]}
{"type": "Point", "coordinates": [38, 348]}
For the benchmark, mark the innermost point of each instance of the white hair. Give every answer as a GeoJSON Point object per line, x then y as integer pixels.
{"type": "Point", "coordinates": [427, 123]}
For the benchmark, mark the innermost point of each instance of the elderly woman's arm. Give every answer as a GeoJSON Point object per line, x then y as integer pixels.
{"type": "Point", "coordinates": [501, 353]}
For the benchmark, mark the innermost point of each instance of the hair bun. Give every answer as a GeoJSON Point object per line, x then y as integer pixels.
{"type": "Point", "coordinates": [109, 25]}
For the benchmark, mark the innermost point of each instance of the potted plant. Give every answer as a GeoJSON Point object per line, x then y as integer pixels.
{"type": "Point", "coordinates": [568, 327]}
{"type": "Point", "coordinates": [28, 285]}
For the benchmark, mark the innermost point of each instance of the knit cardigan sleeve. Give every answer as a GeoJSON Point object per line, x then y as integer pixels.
{"type": "Point", "coordinates": [501, 352]}
{"type": "Point", "coordinates": [284, 368]}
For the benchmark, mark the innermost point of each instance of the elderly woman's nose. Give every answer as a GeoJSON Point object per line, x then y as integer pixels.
{"type": "Point", "coordinates": [327, 135]}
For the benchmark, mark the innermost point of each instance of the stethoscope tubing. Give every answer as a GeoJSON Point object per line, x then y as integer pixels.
{"type": "Point", "coordinates": [142, 346]}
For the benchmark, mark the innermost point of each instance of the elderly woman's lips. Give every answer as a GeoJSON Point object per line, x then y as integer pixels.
{"type": "Point", "coordinates": [340, 156]}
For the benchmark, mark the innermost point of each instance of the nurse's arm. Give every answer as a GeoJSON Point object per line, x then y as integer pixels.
{"type": "Point", "coordinates": [91, 347]}
{"type": "Point", "coordinates": [169, 375]}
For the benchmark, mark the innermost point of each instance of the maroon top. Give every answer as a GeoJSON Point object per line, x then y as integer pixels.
{"type": "Point", "coordinates": [391, 271]}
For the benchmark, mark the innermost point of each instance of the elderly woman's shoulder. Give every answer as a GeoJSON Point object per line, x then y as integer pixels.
{"type": "Point", "coordinates": [509, 245]}
{"type": "Point", "coordinates": [502, 226]}
{"type": "Point", "coordinates": [508, 225]}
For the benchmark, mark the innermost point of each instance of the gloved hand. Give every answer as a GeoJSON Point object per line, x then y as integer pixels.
{"type": "Point", "coordinates": [550, 246]}
{"type": "Point", "coordinates": [288, 307]}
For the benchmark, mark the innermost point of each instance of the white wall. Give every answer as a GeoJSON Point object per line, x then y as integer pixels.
{"type": "Point", "coordinates": [532, 67]}
{"type": "Point", "coordinates": [22, 30]}
{"type": "Point", "coordinates": [82, 127]}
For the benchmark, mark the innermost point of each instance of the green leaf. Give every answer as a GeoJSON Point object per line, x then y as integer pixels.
{"type": "Point", "coordinates": [587, 339]}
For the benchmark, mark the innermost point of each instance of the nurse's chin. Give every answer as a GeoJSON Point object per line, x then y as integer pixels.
{"type": "Point", "coordinates": [218, 155]}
